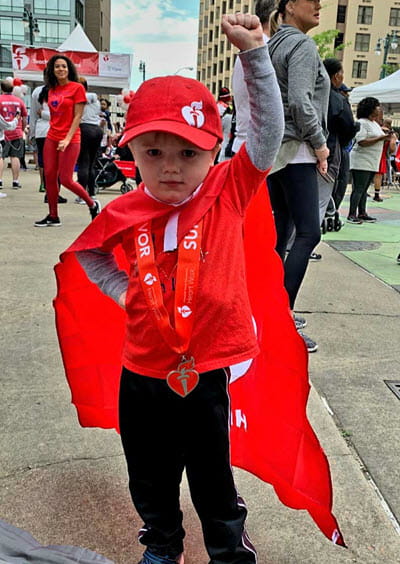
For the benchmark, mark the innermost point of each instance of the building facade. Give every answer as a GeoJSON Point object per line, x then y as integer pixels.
{"type": "Point", "coordinates": [367, 28]}
{"type": "Point", "coordinates": [370, 31]}
{"type": "Point", "coordinates": [98, 23]}
{"type": "Point", "coordinates": [55, 20]}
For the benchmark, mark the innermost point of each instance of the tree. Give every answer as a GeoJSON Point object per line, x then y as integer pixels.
{"type": "Point", "coordinates": [325, 43]}
{"type": "Point", "coordinates": [390, 68]}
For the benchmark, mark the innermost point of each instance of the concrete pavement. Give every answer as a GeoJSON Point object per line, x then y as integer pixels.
{"type": "Point", "coordinates": [68, 485]}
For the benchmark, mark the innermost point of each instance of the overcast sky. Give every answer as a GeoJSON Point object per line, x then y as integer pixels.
{"type": "Point", "coordinates": [162, 33]}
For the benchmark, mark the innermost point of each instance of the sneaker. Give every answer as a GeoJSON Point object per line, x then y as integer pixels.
{"type": "Point", "coordinates": [398, 259]}
{"type": "Point", "coordinates": [3, 195]}
{"type": "Point", "coordinates": [150, 558]}
{"type": "Point", "coordinates": [42, 188]}
{"type": "Point", "coordinates": [60, 200]}
{"type": "Point", "coordinates": [1, 184]}
{"type": "Point", "coordinates": [48, 221]}
{"type": "Point", "coordinates": [79, 201]}
{"type": "Point", "coordinates": [377, 198]}
{"type": "Point", "coordinates": [354, 219]}
{"type": "Point", "coordinates": [16, 185]}
{"type": "Point", "coordinates": [299, 321]}
{"type": "Point", "coordinates": [310, 344]}
{"type": "Point", "coordinates": [315, 256]}
{"type": "Point", "coordinates": [95, 210]}
{"type": "Point", "coordinates": [366, 217]}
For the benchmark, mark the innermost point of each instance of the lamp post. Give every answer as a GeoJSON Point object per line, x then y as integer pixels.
{"type": "Point", "coordinates": [183, 68]}
{"type": "Point", "coordinates": [32, 23]}
{"type": "Point", "coordinates": [142, 69]}
{"type": "Point", "coordinates": [391, 40]}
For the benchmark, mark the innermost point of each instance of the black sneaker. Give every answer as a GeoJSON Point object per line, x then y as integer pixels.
{"type": "Point", "coordinates": [310, 344]}
{"type": "Point", "coordinates": [366, 217]}
{"type": "Point", "coordinates": [398, 259]}
{"type": "Point", "coordinates": [95, 210]}
{"type": "Point", "coordinates": [16, 185]}
{"type": "Point", "coordinates": [315, 256]}
{"type": "Point", "coordinates": [150, 558]}
{"type": "Point", "coordinates": [48, 221]}
{"type": "Point", "coordinates": [299, 321]}
{"type": "Point", "coordinates": [61, 200]}
{"type": "Point", "coordinates": [354, 219]}
{"type": "Point", "coordinates": [1, 184]}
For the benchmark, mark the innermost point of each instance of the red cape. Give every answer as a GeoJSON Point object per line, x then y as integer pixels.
{"type": "Point", "coordinates": [271, 436]}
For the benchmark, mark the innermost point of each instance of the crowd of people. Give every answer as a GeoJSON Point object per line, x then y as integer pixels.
{"type": "Point", "coordinates": [68, 128]}
{"type": "Point", "coordinates": [291, 124]}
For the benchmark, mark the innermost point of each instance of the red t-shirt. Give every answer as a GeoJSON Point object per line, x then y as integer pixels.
{"type": "Point", "coordinates": [61, 102]}
{"type": "Point", "coordinates": [223, 333]}
{"type": "Point", "coordinates": [9, 104]}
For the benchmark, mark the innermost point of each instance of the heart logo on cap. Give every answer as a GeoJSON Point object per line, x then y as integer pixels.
{"type": "Point", "coordinates": [193, 114]}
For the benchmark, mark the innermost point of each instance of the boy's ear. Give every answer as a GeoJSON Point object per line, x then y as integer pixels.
{"type": "Point", "coordinates": [216, 150]}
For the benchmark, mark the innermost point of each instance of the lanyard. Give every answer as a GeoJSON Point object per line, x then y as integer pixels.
{"type": "Point", "coordinates": [187, 281]}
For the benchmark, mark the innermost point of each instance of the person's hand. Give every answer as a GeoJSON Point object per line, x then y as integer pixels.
{"type": "Point", "coordinates": [62, 145]}
{"type": "Point", "coordinates": [243, 30]}
{"type": "Point", "coordinates": [122, 300]}
{"type": "Point", "coordinates": [322, 154]}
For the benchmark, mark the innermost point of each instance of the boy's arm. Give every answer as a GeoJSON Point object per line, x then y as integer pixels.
{"type": "Point", "coordinates": [102, 269]}
{"type": "Point", "coordinates": [266, 124]}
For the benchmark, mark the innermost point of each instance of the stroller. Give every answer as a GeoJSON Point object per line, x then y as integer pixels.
{"type": "Point", "coordinates": [108, 171]}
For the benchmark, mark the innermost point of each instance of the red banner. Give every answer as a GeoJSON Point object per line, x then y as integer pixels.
{"type": "Point", "coordinates": [35, 59]}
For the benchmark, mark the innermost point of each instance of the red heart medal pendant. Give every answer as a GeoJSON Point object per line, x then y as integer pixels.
{"type": "Point", "coordinates": [184, 379]}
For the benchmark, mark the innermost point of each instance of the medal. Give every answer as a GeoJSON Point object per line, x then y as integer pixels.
{"type": "Point", "coordinates": [184, 379]}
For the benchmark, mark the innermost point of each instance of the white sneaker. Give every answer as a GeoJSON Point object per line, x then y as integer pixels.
{"type": "Point", "coordinates": [79, 201]}
{"type": "Point", "coordinates": [3, 195]}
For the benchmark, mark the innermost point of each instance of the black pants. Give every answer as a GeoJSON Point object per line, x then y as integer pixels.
{"type": "Point", "coordinates": [294, 199]}
{"type": "Point", "coordinates": [339, 190]}
{"type": "Point", "coordinates": [162, 434]}
{"type": "Point", "coordinates": [360, 180]}
{"type": "Point", "coordinates": [91, 136]}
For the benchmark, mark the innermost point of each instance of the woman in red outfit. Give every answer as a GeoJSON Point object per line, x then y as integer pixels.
{"type": "Point", "coordinates": [66, 98]}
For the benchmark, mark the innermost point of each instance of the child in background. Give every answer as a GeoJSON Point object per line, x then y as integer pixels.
{"type": "Point", "coordinates": [188, 315]}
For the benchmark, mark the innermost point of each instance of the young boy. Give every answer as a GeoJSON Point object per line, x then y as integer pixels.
{"type": "Point", "coordinates": [188, 315]}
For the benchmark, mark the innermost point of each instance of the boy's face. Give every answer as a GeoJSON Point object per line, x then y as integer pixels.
{"type": "Point", "coordinates": [171, 167]}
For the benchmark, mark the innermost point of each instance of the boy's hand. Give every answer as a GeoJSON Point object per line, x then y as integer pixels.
{"type": "Point", "coordinates": [243, 30]}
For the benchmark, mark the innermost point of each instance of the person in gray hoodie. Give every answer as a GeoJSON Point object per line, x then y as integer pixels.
{"type": "Point", "coordinates": [293, 185]}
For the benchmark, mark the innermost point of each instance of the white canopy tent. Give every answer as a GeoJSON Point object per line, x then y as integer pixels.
{"type": "Point", "coordinates": [77, 41]}
{"type": "Point", "coordinates": [386, 90]}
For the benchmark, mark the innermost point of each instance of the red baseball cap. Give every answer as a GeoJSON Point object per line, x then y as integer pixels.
{"type": "Point", "coordinates": [174, 104]}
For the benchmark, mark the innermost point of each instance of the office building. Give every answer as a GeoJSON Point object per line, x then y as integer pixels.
{"type": "Point", "coordinates": [98, 23]}
{"type": "Point", "coordinates": [370, 31]}
{"type": "Point", "coordinates": [367, 28]}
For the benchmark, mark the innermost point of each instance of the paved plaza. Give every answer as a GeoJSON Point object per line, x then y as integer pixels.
{"type": "Point", "coordinates": [68, 486]}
